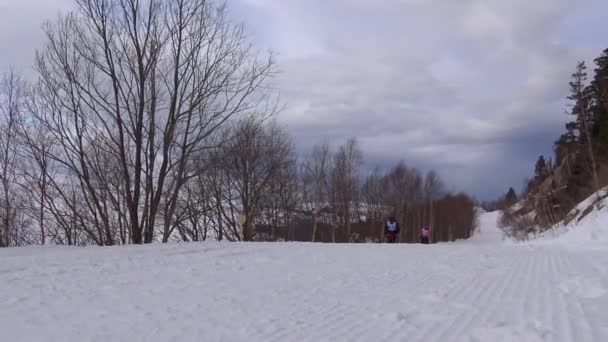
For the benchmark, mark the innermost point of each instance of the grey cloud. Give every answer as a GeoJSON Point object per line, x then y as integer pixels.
{"type": "Point", "coordinates": [472, 88]}
{"type": "Point", "coordinates": [21, 29]}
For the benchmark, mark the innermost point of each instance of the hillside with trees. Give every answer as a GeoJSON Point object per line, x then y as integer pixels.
{"type": "Point", "coordinates": [579, 167]}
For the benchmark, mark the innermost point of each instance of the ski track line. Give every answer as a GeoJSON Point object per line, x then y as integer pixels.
{"type": "Point", "coordinates": [464, 290]}
{"type": "Point", "coordinates": [279, 331]}
{"type": "Point", "coordinates": [588, 331]}
{"type": "Point", "coordinates": [416, 290]}
{"type": "Point", "coordinates": [594, 263]}
{"type": "Point", "coordinates": [540, 287]}
{"type": "Point", "coordinates": [544, 306]}
{"type": "Point", "coordinates": [425, 332]}
{"type": "Point", "coordinates": [448, 297]}
{"type": "Point", "coordinates": [331, 326]}
{"type": "Point", "coordinates": [536, 263]}
{"type": "Point", "coordinates": [502, 314]}
{"type": "Point", "coordinates": [527, 294]}
{"type": "Point", "coordinates": [333, 321]}
{"type": "Point", "coordinates": [499, 313]}
{"type": "Point", "coordinates": [462, 322]}
{"type": "Point", "coordinates": [482, 301]}
{"type": "Point", "coordinates": [565, 329]}
{"type": "Point", "coordinates": [559, 320]}
{"type": "Point", "coordinates": [549, 294]}
{"type": "Point", "coordinates": [539, 270]}
{"type": "Point", "coordinates": [565, 302]}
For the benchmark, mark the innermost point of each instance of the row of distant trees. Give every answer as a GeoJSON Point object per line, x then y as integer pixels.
{"type": "Point", "coordinates": [354, 208]}
{"type": "Point", "coordinates": [152, 121]}
{"type": "Point", "coordinates": [416, 201]}
{"type": "Point", "coordinates": [579, 166]}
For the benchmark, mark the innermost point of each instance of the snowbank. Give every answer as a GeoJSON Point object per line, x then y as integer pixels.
{"type": "Point", "coordinates": [588, 223]}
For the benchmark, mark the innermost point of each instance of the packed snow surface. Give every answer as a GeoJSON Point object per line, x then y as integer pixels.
{"type": "Point", "coordinates": [477, 290]}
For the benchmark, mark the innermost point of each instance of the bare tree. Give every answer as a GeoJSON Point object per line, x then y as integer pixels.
{"type": "Point", "coordinates": [225, 212]}
{"type": "Point", "coordinates": [280, 203]}
{"type": "Point", "coordinates": [345, 186]}
{"type": "Point", "coordinates": [193, 215]}
{"type": "Point", "coordinates": [404, 194]}
{"type": "Point", "coordinates": [34, 167]}
{"type": "Point", "coordinates": [143, 84]}
{"type": "Point", "coordinates": [316, 183]}
{"type": "Point", "coordinates": [12, 94]}
{"type": "Point", "coordinates": [374, 194]}
{"type": "Point", "coordinates": [433, 189]}
{"type": "Point", "coordinates": [255, 156]}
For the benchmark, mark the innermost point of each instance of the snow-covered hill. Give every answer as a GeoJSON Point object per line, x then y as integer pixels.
{"type": "Point", "coordinates": [487, 231]}
{"type": "Point", "coordinates": [586, 225]}
{"type": "Point", "coordinates": [477, 290]}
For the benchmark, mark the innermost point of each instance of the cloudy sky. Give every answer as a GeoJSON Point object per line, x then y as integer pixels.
{"type": "Point", "coordinates": [472, 88]}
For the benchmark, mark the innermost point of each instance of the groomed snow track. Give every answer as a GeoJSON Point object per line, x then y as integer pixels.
{"type": "Point", "coordinates": [464, 291]}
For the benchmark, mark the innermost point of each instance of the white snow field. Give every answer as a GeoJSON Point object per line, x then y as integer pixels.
{"type": "Point", "coordinates": [476, 290]}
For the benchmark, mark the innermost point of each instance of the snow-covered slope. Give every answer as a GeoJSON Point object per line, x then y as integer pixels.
{"type": "Point", "coordinates": [587, 224]}
{"type": "Point", "coordinates": [477, 290]}
{"type": "Point", "coordinates": [487, 231]}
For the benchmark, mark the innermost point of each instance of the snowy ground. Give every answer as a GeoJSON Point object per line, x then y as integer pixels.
{"type": "Point", "coordinates": [477, 290]}
{"type": "Point", "coordinates": [588, 229]}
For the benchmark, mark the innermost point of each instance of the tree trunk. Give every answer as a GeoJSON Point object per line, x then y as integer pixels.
{"type": "Point", "coordinates": [596, 182]}
{"type": "Point", "coordinates": [431, 217]}
{"type": "Point", "coordinates": [416, 233]}
{"type": "Point", "coordinates": [314, 226]}
{"type": "Point", "coordinates": [7, 217]}
{"type": "Point", "coordinates": [348, 225]}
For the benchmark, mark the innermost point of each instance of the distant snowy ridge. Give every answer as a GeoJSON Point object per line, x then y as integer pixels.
{"type": "Point", "coordinates": [487, 229]}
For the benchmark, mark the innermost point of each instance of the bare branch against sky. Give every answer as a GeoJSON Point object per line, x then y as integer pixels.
{"type": "Point", "coordinates": [442, 84]}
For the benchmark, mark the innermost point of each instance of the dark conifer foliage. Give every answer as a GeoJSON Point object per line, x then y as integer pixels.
{"type": "Point", "coordinates": [580, 166]}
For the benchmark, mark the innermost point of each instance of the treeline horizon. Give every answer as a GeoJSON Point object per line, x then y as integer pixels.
{"type": "Point", "coordinates": [151, 121]}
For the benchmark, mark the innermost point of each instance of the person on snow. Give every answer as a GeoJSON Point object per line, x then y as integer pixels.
{"type": "Point", "coordinates": [425, 235]}
{"type": "Point", "coordinates": [391, 229]}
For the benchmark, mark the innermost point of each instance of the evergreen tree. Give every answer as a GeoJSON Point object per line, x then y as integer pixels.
{"type": "Point", "coordinates": [599, 108]}
{"type": "Point", "coordinates": [510, 197]}
{"type": "Point", "coordinates": [541, 171]}
{"type": "Point", "coordinates": [566, 144]}
{"type": "Point", "coordinates": [577, 184]}
{"type": "Point", "coordinates": [581, 97]}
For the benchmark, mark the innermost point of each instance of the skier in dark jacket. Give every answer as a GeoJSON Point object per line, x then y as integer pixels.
{"type": "Point", "coordinates": [391, 229]}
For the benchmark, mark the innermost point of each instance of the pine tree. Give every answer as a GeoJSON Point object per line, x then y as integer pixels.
{"type": "Point", "coordinates": [581, 97]}
{"type": "Point", "coordinates": [541, 171]}
{"type": "Point", "coordinates": [566, 144]}
{"type": "Point", "coordinates": [510, 197]}
{"type": "Point", "coordinates": [599, 107]}
{"type": "Point", "coordinates": [564, 147]}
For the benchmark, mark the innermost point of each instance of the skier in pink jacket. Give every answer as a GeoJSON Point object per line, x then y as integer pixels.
{"type": "Point", "coordinates": [425, 235]}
